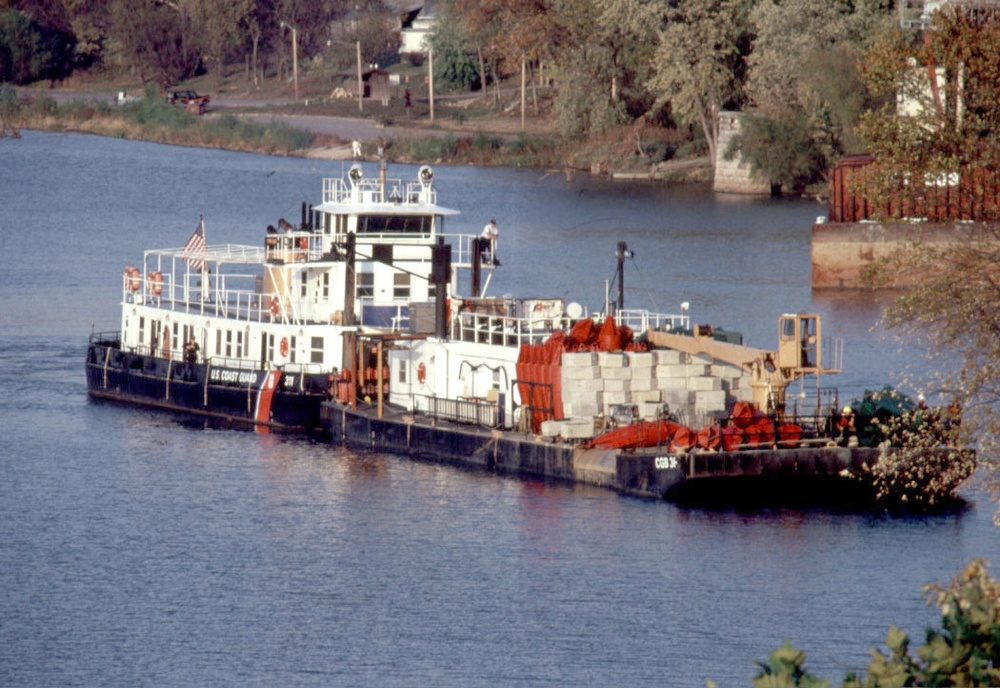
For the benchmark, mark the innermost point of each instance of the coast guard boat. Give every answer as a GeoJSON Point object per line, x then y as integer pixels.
{"type": "Point", "coordinates": [369, 321]}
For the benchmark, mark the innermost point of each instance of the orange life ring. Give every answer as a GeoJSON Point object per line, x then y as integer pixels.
{"type": "Point", "coordinates": [132, 278]}
{"type": "Point", "coordinates": [303, 242]}
{"type": "Point", "coordinates": [283, 346]}
{"type": "Point", "coordinates": [421, 373]}
{"type": "Point", "coordinates": [275, 305]}
{"type": "Point", "coordinates": [538, 306]}
{"type": "Point", "coordinates": [154, 283]}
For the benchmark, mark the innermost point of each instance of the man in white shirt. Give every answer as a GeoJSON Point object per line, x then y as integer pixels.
{"type": "Point", "coordinates": [490, 234]}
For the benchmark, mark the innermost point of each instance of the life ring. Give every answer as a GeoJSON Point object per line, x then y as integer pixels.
{"type": "Point", "coordinates": [421, 373]}
{"type": "Point", "coordinates": [303, 243]}
{"type": "Point", "coordinates": [275, 306]}
{"type": "Point", "coordinates": [538, 306]}
{"type": "Point", "coordinates": [283, 346]}
{"type": "Point", "coordinates": [132, 278]}
{"type": "Point", "coordinates": [154, 283]}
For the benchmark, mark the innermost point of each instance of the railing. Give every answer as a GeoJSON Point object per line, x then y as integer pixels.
{"type": "Point", "coordinates": [503, 330]}
{"type": "Point", "coordinates": [641, 320]}
{"type": "Point", "coordinates": [337, 190]}
{"type": "Point", "coordinates": [472, 412]}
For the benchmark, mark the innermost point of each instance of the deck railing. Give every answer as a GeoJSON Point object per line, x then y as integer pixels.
{"type": "Point", "coordinates": [469, 411]}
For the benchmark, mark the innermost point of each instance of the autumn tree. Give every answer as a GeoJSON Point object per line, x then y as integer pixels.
{"type": "Point", "coordinates": [697, 62]}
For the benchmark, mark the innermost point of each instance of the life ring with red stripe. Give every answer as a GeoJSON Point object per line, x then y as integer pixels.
{"type": "Point", "coordinates": [275, 306]}
{"type": "Point", "coordinates": [283, 346]}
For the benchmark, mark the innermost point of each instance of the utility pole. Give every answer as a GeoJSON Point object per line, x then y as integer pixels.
{"type": "Point", "coordinates": [295, 55]}
{"type": "Point", "coordinates": [430, 80]}
{"type": "Point", "coordinates": [361, 85]}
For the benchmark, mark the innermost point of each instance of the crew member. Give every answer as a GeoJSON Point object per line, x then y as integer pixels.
{"type": "Point", "coordinates": [191, 357]}
{"type": "Point", "coordinates": [489, 237]}
{"type": "Point", "coordinates": [846, 432]}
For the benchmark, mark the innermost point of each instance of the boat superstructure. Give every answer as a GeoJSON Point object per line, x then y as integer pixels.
{"type": "Point", "coordinates": [271, 319]}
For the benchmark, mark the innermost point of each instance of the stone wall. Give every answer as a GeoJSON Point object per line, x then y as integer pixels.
{"type": "Point", "coordinates": [733, 176]}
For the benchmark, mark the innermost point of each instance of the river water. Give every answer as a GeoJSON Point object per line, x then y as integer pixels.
{"type": "Point", "coordinates": [139, 548]}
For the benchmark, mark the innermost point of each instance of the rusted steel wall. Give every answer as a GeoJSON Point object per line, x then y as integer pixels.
{"type": "Point", "coordinates": [973, 196]}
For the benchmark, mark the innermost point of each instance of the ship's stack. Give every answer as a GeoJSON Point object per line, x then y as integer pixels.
{"type": "Point", "coordinates": [693, 387]}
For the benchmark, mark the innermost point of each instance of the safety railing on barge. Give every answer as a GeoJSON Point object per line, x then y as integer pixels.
{"type": "Point", "coordinates": [473, 411]}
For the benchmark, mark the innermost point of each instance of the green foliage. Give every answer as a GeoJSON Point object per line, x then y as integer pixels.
{"type": "Point", "coordinates": [30, 51]}
{"type": "Point", "coordinates": [430, 149]}
{"type": "Point", "coordinates": [965, 651]}
{"type": "Point", "coordinates": [780, 150]}
{"type": "Point", "coordinates": [9, 107]}
{"type": "Point", "coordinates": [785, 670]}
{"type": "Point", "coordinates": [455, 67]}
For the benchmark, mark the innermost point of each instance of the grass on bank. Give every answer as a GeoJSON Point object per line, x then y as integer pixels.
{"type": "Point", "coordinates": [153, 119]}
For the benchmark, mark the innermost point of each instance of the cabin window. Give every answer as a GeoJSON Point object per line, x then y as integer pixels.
{"type": "Point", "coordinates": [394, 224]}
{"type": "Point", "coordinates": [402, 372]}
{"type": "Point", "coordinates": [142, 331]}
{"type": "Point", "coordinates": [291, 349]}
{"type": "Point", "coordinates": [316, 350]}
{"type": "Point", "coordinates": [305, 282]}
{"type": "Point", "coordinates": [366, 284]}
{"type": "Point", "coordinates": [326, 285]}
{"type": "Point", "coordinates": [401, 285]}
{"type": "Point", "coordinates": [326, 223]}
{"type": "Point", "coordinates": [176, 343]}
{"type": "Point", "coordinates": [239, 345]}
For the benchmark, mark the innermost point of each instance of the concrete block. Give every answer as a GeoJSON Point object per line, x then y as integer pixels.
{"type": "Point", "coordinates": [714, 400]}
{"type": "Point", "coordinates": [616, 373]}
{"type": "Point", "coordinates": [641, 384]}
{"type": "Point", "coordinates": [581, 373]}
{"type": "Point", "coordinates": [649, 410]}
{"type": "Point", "coordinates": [611, 359]}
{"type": "Point", "coordinates": [666, 357]}
{"type": "Point", "coordinates": [703, 359]}
{"type": "Point", "coordinates": [611, 398]}
{"type": "Point", "coordinates": [578, 429]}
{"type": "Point", "coordinates": [582, 387]}
{"type": "Point", "coordinates": [677, 397]}
{"type": "Point", "coordinates": [652, 395]}
{"type": "Point", "coordinates": [552, 428]}
{"type": "Point", "coordinates": [640, 359]}
{"type": "Point", "coordinates": [611, 385]}
{"type": "Point", "coordinates": [578, 359]}
{"type": "Point", "coordinates": [704, 384]}
{"type": "Point", "coordinates": [581, 409]}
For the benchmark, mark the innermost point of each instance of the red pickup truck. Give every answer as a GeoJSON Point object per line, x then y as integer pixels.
{"type": "Point", "coordinates": [189, 99]}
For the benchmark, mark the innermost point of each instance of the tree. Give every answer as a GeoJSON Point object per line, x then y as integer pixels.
{"type": "Point", "coordinates": [696, 62]}
{"type": "Point", "coordinates": [804, 84]}
{"type": "Point", "coordinates": [30, 50]}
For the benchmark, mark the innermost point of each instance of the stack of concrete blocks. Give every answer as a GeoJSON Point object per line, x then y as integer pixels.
{"type": "Point", "coordinates": [694, 387]}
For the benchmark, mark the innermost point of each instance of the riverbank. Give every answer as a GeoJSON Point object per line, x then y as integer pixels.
{"type": "Point", "coordinates": [323, 128]}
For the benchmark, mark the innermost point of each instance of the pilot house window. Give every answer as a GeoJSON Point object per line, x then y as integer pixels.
{"type": "Point", "coordinates": [394, 224]}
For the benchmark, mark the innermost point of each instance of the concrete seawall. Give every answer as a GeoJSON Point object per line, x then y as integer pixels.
{"type": "Point", "coordinates": [840, 251]}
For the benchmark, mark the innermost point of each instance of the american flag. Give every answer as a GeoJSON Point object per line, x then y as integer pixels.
{"type": "Point", "coordinates": [196, 250]}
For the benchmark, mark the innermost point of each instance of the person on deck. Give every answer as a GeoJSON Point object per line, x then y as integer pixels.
{"type": "Point", "coordinates": [191, 357]}
{"type": "Point", "coordinates": [489, 235]}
